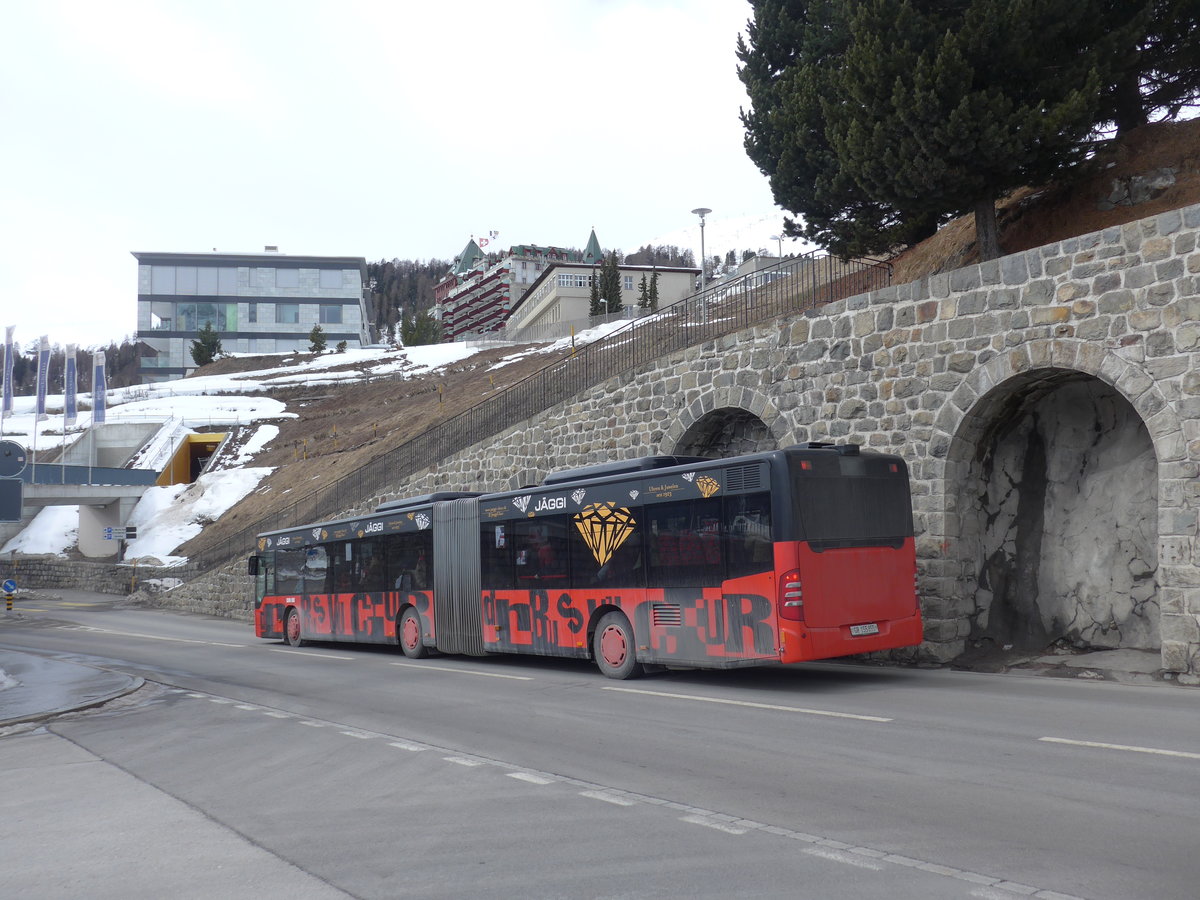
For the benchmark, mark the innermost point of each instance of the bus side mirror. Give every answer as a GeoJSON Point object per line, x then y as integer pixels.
{"type": "Point", "coordinates": [252, 565]}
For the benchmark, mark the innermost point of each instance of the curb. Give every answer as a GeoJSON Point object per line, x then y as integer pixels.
{"type": "Point", "coordinates": [130, 683]}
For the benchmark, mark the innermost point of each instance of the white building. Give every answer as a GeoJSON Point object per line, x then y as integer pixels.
{"type": "Point", "coordinates": [561, 296]}
{"type": "Point", "coordinates": [257, 302]}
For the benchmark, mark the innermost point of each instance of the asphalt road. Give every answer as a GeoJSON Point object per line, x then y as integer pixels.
{"type": "Point", "coordinates": [351, 771]}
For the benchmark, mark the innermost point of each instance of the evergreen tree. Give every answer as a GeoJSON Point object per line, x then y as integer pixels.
{"type": "Point", "coordinates": [791, 67]}
{"type": "Point", "coordinates": [1157, 51]}
{"type": "Point", "coordinates": [610, 284]}
{"type": "Point", "coordinates": [420, 329]}
{"type": "Point", "coordinates": [206, 347]}
{"type": "Point", "coordinates": [934, 125]}
{"type": "Point", "coordinates": [341, 346]}
{"type": "Point", "coordinates": [653, 295]}
{"type": "Point", "coordinates": [594, 308]}
{"type": "Point", "coordinates": [877, 120]}
{"type": "Point", "coordinates": [316, 340]}
{"type": "Point", "coordinates": [643, 292]}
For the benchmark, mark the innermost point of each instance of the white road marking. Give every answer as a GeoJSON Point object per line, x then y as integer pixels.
{"type": "Point", "coordinates": [136, 634]}
{"type": "Point", "coordinates": [278, 715]}
{"type": "Point", "coordinates": [608, 798]}
{"type": "Point", "coordinates": [246, 706]}
{"type": "Point", "coordinates": [461, 671]}
{"type": "Point", "coordinates": [405, 745]}
{"type": "Point", "coordinates": [751, 704]}
{"type": "Point", "coordinates": [220, 644]}
{"type": "Point", "coordinates": [1184, 754]}
{"type": "Point", "coordinates": [293, 650]}
{"type": "Point", "coordinates": [531, 778]}
{"type": "Point", "coordinates": [848, 859]}
{"type": "Point", "coordinates": [462, 761]}
{"type": "Point", "coordinates": [709, 823]}
{"type": "Point", "coordinates": [358, 734]}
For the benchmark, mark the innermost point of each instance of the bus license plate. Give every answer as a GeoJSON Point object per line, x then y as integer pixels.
{"type": "Point", "coordinates": [860, 630]}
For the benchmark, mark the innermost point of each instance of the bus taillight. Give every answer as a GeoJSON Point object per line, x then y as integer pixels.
{"type": "Point", "coordinates": [791, 597]}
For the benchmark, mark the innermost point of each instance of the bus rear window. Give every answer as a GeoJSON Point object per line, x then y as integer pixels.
{"type": "Point", "coordinates": [851, 502]}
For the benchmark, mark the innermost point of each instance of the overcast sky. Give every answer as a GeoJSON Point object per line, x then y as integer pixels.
{"type": "Point", "coordinates": [376, 129]}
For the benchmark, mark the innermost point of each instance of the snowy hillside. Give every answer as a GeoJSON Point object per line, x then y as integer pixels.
{"type": "Point", "coordinates": [167, 517]}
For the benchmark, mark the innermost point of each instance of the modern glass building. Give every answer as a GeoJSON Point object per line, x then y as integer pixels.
{"type": "Point", "coordinates": [258, 303]}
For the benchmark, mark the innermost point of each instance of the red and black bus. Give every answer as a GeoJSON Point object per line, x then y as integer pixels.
{"type": "Point", "coordinates": [790, 555]}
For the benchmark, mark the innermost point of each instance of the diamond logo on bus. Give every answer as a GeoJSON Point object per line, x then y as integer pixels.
{"type": "Point", "coordinates": [604, 528]}
{"type": "Point", "coordinates": [708, 486]}
{"type": "Point", "coordinates": [521, 503]}
{"type": "Point", "coordinates": [633, 495]}
{"type": "Point", "coordinates": [316, 533]}
{"type": "Point", "coordinates": [578, 496]}
{"type": "Point", "coordinates": [262, 544]}
{"type": "Point", "coordinates": [689, 476]}
{"type": "Point", "coordinates": [422, 521]}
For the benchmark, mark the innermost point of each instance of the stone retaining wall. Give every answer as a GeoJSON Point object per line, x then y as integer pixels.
{"type": "Point", "coordinates": [87, 575]}
{"type": "Point", "coordinates": [964, 374]}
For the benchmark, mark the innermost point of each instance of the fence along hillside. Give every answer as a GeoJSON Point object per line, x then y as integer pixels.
{"type": "Point", "coordinates": [794, 285]}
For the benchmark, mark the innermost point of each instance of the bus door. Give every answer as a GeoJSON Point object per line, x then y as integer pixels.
{"type": "Point", "coordinates": [457, 597]}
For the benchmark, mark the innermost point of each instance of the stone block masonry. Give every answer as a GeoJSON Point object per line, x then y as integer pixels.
{"type": "Point", "coordinates": [1046, 404]}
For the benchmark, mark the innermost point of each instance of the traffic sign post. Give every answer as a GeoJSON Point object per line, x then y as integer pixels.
{"type": "Point", "coordinates": [9, 587]}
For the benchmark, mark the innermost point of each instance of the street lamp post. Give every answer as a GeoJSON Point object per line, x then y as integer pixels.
{"type": "Point", "coordinates": [779, 239]}
{"type": "Point", "coordinates": [702, 212]}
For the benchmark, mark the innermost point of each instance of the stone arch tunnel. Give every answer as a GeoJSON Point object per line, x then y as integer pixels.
{"type": "Point", "coordinates": [1047, 404]}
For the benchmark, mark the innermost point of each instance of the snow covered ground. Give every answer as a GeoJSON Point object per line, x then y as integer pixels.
{"type": "Point", "coordinates": [167, 517]}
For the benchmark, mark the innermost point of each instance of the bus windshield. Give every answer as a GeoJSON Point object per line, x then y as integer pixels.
{"type": "Point", "coordinates": [851, 501]}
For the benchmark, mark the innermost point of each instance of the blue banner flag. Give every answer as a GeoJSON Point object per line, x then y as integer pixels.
{"type": "Point", "coordinates": [43, 377]}
{"type": "Point", "coordinates": [70, 385]}
{"type": "Point", "coordinates": [99, 386]}
{"type": "Point", "coordinates": [8, 368]}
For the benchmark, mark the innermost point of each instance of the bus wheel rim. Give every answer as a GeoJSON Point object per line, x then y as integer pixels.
{"type": "Point", "coordinates": [613, 646]}
{"type": "Point", "coordinates": [293, 627]}
{"type": "Point", "coordinates": [410, 632]}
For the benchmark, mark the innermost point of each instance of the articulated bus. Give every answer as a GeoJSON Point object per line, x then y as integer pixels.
{"type": "Point", "coordinates": [779, 557]}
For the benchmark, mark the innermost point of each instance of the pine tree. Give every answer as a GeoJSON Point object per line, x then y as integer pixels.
{"type": "Point", "coordinates": [644, 292]}
{"type": "Point", "coordinates": [875, 121]}
{"type": "Point", "coordinates": [653, 296]}
{"type": "Point", "coordinates": [207, 346]}
{"type": "Point", "coordinates": [1157, 49]}
{"type": "Point", "coordinates": [791, 67]}
{"type": "Point", "coordinates": [316, 340]}
{"type": "Point", "coordinates": [610, 284]}
{"type": "Point", "coordinates": [594, 308]}
{"type": "Point", "coordinates": [420, 329]}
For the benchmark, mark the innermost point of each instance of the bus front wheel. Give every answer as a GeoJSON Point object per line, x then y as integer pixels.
{"type": "Point", "coordinates": [613, 647]}
{"type": "Point", "coordinates": [291, 629]}
{"type": "Point", "coordinates": [408, 633]}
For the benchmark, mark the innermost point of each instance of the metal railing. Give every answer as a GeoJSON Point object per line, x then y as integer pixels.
{"type": "Point", "coordinates": [794, 285]}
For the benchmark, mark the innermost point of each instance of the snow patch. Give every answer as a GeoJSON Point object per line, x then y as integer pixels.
{"type": "Point", "coordinates": [168, 517]}
{"type": "Point", "coordinates": [53, 530]}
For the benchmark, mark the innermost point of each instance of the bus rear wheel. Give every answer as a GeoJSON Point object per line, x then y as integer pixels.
{"type": "Point", "coordinates": [291, 629]}
{"type": "Point", "coordinates": [408, 634]}
{"type": "Point", "coordinates": [613, 647]}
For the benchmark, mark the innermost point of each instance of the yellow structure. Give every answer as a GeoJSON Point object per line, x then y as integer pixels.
{"type": "Point", "coordinates": [188, 461]}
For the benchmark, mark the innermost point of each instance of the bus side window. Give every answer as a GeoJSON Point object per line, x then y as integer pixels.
{"type": "Point", "coordinates": [289, 571]}
{"type": "Point", "coordinates": [748, 546]}
{"type": "Point", "coordinates": [495, 555]}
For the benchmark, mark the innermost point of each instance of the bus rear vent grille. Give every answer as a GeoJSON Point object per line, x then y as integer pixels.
{"type": "Point", "coordinates": [744, 478]}
{"type": "Point", "coordinates": [663, 614]}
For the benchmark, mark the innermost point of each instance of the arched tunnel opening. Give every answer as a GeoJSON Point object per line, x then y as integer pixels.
{"type": "Point", "coordinates": [1057, 506]}
{"type": "Point", "coordinates": [726, 432]}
